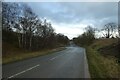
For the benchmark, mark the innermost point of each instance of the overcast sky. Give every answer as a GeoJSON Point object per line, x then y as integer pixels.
{"type": "Point", "coordinates": [70, 18]}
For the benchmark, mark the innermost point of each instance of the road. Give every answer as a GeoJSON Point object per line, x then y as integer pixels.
{"type": "Point", "coordinates": [69, 63]}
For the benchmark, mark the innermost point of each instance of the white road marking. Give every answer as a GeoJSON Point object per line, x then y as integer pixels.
{"type": "Point", "coordinates": [24, 71]}
{"type": "Point", "coordinates": [86, 69]}
{"type": "Point", "coordinates": [55, 57]}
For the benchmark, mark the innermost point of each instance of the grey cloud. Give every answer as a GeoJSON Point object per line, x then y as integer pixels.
{"type": "Point", "coordinates": [74, 12]}
{"type": "Point", "coordinates": [95, 10]}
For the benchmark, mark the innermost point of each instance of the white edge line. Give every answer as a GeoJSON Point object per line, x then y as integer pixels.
{"type": "Point", "coordinates": [23, 71]}
{"type": "Point", "coordinates": [87, 73]}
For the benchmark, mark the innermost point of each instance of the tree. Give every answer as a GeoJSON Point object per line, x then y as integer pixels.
{"type": "Point", "coordinates": [86, 38]}
{"type": "Point", "coordinates": [119, 30]}
{"type": "Point", "coordinates": [0, 15]}
{"type": "Point", "coordinates": [109, 29]}
{"type": "Point", "coordinates": [31, 32]}
{"type": "Point", "coordinates": [28, 24]}
{"type": "Point", "coordinates": [10, 13]}
{"type": "Point", "coordinates": [48, 31]}
{"type": "Point", "coordinates": [10, 17]}
{"type": "Point", "coordinates": [62, 39]}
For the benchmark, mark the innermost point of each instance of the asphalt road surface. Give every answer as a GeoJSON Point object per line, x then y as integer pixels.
{"type": "Point", "coordinates": [69, 63]}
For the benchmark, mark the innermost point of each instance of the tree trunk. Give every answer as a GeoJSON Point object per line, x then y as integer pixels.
{"type": "Point", "coordinates": [19, 39]}
{"type": "Point", "coordinates": [108, 34]}
{"type": "Point", "coordinates": [25, 41]}
{"type": "Point", "coordinates": [30, 43]}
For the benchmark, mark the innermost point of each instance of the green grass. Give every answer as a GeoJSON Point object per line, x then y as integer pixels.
{"type": "Point", "coordinates": [25, 55]}
{"type": "Point", "coordinates": [101, 66]}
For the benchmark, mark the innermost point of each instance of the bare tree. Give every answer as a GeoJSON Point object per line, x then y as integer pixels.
{"type": "Point", "coordinates": [119, 30]}
{"type": "Point", "coordinates": [10, 13]}
{"type": "Point", "coordinates": [109, 29]}
{"type": "Point", "coordinates": [86, 38]}
{"type": "Point", "coordinates": [32, 33]}
{"type": "Point", "coordinates": [28, 24]}
{"type": "Point", "coordinates": [18, 32]}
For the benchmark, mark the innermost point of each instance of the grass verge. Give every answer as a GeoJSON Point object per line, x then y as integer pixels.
{"type": "Point", "coordinates": [101, 66]}
{"type": "Point", "coordinates": [26, 55]}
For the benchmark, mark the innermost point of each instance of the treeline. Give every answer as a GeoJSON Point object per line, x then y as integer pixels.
{"type": "Point", "coordinates": [109, 30]}
{"type": "Point", "coordinates": [21, 26]}
{"type": "Point", "coordinates": [86, 38]}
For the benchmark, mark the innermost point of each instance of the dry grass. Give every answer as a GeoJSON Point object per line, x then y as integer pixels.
{"type": "Point", "coordinates": [103, 42]}
{"type": "Point", "coordinates": [12, 54]}
{"type": "Point", "coordinates": [99, 65]}
{"type": "Point", "coordinates": [25, 55]}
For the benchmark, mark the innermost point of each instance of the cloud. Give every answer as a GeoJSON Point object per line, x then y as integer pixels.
{"type": "Point", "coordinates": [61, 0]}
{"type": "Point", "coordinates": [67, 12]}
{"type": "Point", "coordinates": [71, 30]}
{"type": "Point", "coordinates": [71, 17]}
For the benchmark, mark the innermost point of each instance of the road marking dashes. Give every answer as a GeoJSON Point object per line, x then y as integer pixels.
{"type": "Point", "coordinates": [55, 57]}
{"type": "Point", "coordinates": [24, 71]}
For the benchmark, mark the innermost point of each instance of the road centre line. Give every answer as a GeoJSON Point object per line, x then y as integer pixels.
{"type": "Point", "coordinates": [55, 57]}
{"type": "Point", "coordinates": [24, 71]}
